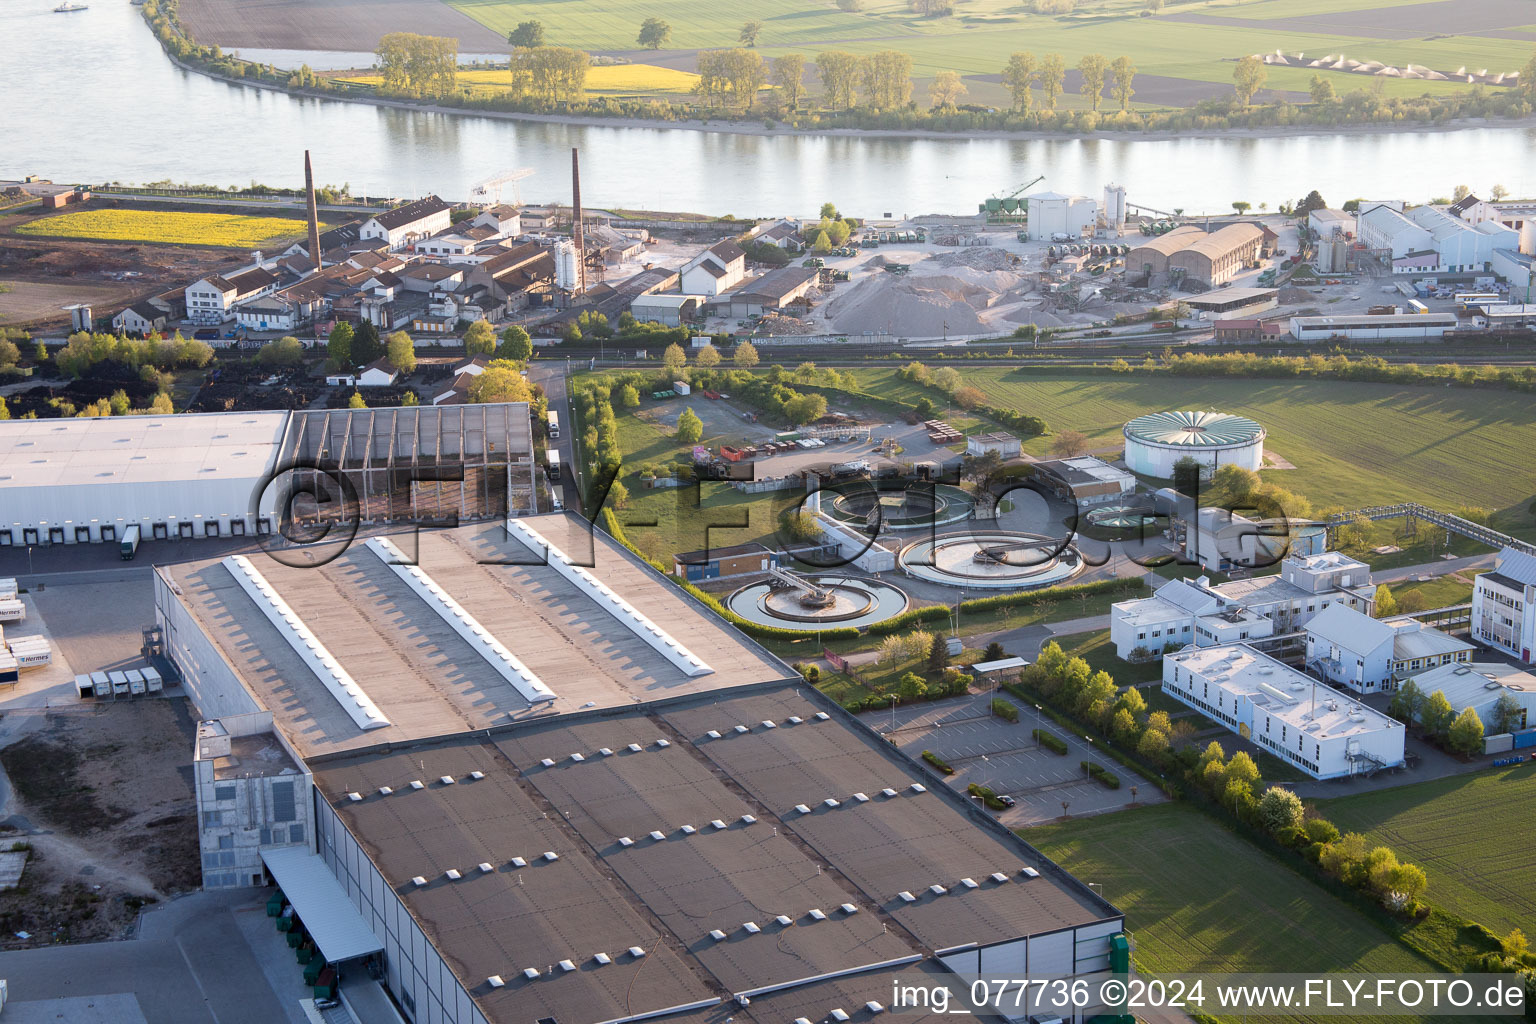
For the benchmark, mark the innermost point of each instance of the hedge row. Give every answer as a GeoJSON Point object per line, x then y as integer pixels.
{"type": "Point", "coordinates": [988, 796]}
{"type": "Point", "coordinates": [911, 617]}
{"type": "Point", "coordinates": [1050, 741]}
{"type": "Point", "coordinates": [1101, 774]}
{"type": "Point", "coordinates": [938, 762]}
{"type": "Point", "coordinates": [1004, 709]}
{"type": "Point", "coordinates": [755, 629]}
{"type": "Point", "coordinates": [1023, 597]}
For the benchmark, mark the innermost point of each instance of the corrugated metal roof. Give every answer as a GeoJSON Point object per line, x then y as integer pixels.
{"type": "Point", "coordinates": [1351, 630]}
{"type": "Point", "coordinates": [1518, 565]}
{"type": "Point", "coordinates": [1195, 429]}
{"type": "Point", "coordinates": [328, 915]}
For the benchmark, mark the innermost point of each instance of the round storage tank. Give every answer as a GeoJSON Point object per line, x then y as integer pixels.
{"type": "Point", "coordinates": [1153, 443]}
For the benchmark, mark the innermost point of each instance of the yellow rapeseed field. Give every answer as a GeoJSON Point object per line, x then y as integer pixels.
{"type": "Point", "coordinates": [227, 230]}
{"type": "Point", "coordinates": [616, 80]}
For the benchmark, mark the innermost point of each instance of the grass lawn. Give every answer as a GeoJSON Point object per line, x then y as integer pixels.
{"type": "Point", "coordinates": [1099, 653]}
{"type": "Point", "coordinates": [1353, 444]}
{"type": "Point", "coordinates": [1438, 593]}
{"type": "Point", "coordinates": [1199, 899]}
{"type": "Point", "coordinates": [224, 230]}
{"type": "Point", "coordinates": [1466, 832]}
{"type": "Point", "coordinates": [979, 38]}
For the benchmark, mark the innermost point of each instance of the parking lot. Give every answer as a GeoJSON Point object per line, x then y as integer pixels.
{"type": "Point", "coordinates": [1003, 756]}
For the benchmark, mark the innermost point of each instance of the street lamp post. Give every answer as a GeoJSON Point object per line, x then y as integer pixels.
{"type": "Point", "coordinates": [1089, 741]}
{"type": "Point", "coordinates": [1038, 729]}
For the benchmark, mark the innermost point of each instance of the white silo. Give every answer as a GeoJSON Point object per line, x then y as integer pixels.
{"type": "Point", "coordinates": [565, 265]}
{"type": "Point", "coordinates": [1114, 206]}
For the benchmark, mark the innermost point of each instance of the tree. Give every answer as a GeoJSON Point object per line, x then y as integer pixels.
{"type": "Point", "coordinates": [365, 344]}
{"type": "Point", "coordinates": [1242, 206]}
{"type": "Point", "coordinates": [1019, 77]}
{"type": "Point", "coordinates": [803, 409]}
{"type": "Point", "coordinates": [707, 356]}
{"type": "Point", "coordinates": [356, 401]}
{"type": "Point", "coordinates": [1153, 744]}
{"type": "Point", "coordinates": [500, 381]}
{"type": "Point", "coordinates": [1313, 201]}
{"type": "Point", "coordinates": [887, 79]}
{"type": "Point", "coordinates": [749, 31]}
{"type": "Point", "coordinates": [1248, 78]}
{"type": "Point", "coordinates": [10, 355]}
{"type": "Point", "coordinates": [1461, 192]}
{"type": "Point", "coordinates": [1412, 601]}
{"type": "Point", "coordinates": [689, 427]}
{"type": "Point", "coordinates": [1279, 808]}
{"type": "Point", "coordinates": [5, 410]}
{"type": "Point", "coordinates": [839, 70]}
{"type": "Point", "coordinates": [654, 33]}
{"type": "Point", "coordinates": [550, 73]}
{"type": "Point", "coordinates": [1069, 443]}
{"type": "Point", "coordinates": [338, 346]}
{"type": "Point", "coordinates": [730, 76]}
{"type": "Point", "coordinates": [1155, 6]}
{"type": "Point", "coordinates": [1093, 68]}
{"type": "Point", "coordinates": [1321, 90]}
{"type": "Point", "coordinates": [788, 73]}
{"type": "Point", "coordinates": [1528, 80]}
{"type": "Point", "coordinates": [821, 243]}
{"type": "Point", "coordinates": [400, 350]}
{"type": "Point", "coordinates": [1186, 475]}
{"type": "Point", "coordinates": [1242, 769]}
{"type": "Point", "coordinates": [629, 397]}
{"type": "Point", "coordinates": [515, 345]}
{"type": "Point", "coordinates": [829, 211]}
{"type": "Point", "coordinates": [946, 90]}
{"type": "Point", "coordinates": [1508, 715]}
{"type": "Point", "coordinates": [673, 358]}
{"type": "Point", "coordinates": [119, 403]}
{"type": "Point", "coordinates": [938, 656]}
{"type": "Point", "coordinates": [528, 34]}
{"type": "Point", "coordinates": [409, 398]}
{"type": "Point", "coordinates": [1515, 944]}
{"type": "Point", "coordinates": [1384, 605]}
{"type": "Point", "coordinates": [1466, 733]}
{"type": "Point", "coordinates": [1498, 194]}
{"type": "Point", "coordinates": [418, 65]}
{"type": "Point", "coordinates": [1407, 881]}
{"type": "Point", "coordinates": [1407, 702]}
{"type": "Point", "coordinates": [745, 355]}
{"type": "Point", "coordinates": [1435, 716]}
{"type": "Point", "coordinates": [1052, 77]}
{"type": "Point", "coordinates": [1125, 74]}
{"type": "Point", "coordinates": [286, 351]}
{"type": "Point", "coordinates": [161, 406]}
{"type": "Point", "coordinates": [994, 652]}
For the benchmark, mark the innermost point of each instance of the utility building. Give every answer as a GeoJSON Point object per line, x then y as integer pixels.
{"type": "Point", "coordinates": [1504, 605]}
{"type": "Point", "coordinates": [1218, 257]}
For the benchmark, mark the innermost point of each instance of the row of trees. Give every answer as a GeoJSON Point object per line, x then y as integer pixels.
{"type": "Point", "coordinates": [552, 74]}
{"type": "Point", "coordinates": [946, 381]}
{"type": "Point", "coordinates": [730, 78]}
{"type": "Point", "coordinates": [417, 65]}
{"type": "Point", "coordinates": [116, 404]}
{"type": "Point", "coordinates": [1024, 71]}
{"type": "Point", "coordinates": [1342, 367]}
{"type": "Point", "coordinates": [84, 350]}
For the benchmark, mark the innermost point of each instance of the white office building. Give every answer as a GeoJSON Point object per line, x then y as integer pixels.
{"type": "Point", "coordinates": [1293, 716]}
{"type": "Point", "coordinates": [1350, 648]}
{"type": "Point", "coordinates": [1480, 685]}
{"type": "Point", "coordinates": [1504, 605]}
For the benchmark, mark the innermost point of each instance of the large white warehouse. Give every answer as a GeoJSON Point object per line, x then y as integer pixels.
{"type": "Point", "coordinates": [1052, 214]}
{"type": "Point", "coordinates": [1154, 442]}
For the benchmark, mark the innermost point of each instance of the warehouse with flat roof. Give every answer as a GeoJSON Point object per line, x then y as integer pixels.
{"type": "Point", "coordinates": [79, 481]}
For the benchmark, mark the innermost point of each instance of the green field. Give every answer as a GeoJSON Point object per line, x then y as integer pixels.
{"type": "Point", "coordinates": [224, 230]}
{"type": "Point", "coordinates": [981, 34]}
{"type": "Point", "coordinates": [1470, 833]}
{"type": "Point", "coordinates": [1353, 444]}
{"type": "Point", "coordinates": [1199, 899]}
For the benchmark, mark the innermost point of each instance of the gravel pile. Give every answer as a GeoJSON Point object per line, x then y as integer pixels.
{"type": "Point", "coordinates": [978, 258]}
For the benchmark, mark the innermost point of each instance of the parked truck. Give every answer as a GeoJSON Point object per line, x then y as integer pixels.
{"type": "Point", "coordinates": [130, 545]}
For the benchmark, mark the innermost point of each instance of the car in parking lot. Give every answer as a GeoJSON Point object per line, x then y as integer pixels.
{"type": "Point", "coordinates": [1006, 800]}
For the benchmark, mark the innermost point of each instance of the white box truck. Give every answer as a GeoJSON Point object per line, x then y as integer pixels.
{"type": "Point", "coordinates": [119, 683]}
{"type": "Point", "coordinates": [130, 546]}
{"type": "Point", "coordinates": [8, 589]}
{"type": "Point", "coordinates": [102, 683]}
{"type": "Point", "coordinates": [135, 682]}
{"type": "Point", "coordinates": [152, 680]}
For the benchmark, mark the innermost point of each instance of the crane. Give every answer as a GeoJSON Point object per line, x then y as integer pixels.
{"type": "Point", "coordinates": [491, 187]}
{"type": "Point", "coordinates": [1022, 188]}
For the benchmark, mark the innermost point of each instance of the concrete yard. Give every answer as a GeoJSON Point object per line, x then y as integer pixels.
{"type": "Point", "coordinates": [991, 752]}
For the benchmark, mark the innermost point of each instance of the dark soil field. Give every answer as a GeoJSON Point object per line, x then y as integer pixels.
{"type": "Point", "coordinates": [1462, 17]}
{"type": "Point", "coordinates": [329, 24]}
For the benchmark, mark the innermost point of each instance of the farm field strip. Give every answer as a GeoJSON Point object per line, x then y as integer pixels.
{"type": "Point", "coordinates": [223, 230]}
{"type": "Point", "coordinates": [1463, 832]}
{"type": "Point", "coordinates": [604, 80]}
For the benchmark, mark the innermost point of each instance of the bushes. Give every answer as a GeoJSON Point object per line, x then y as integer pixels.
{"type": "Point", "coordinates": [1100, 774]}
{"type": "Point", "coordinates": [1050, 741]}
{"type": "Point", "coordinates": [938, 762]}
{"type": "Point", "coordinates": [911, 617]}
{"type": "Point", "coordinates": [987, 796]}
{"type": "Point", "coordinates": [1046, 596]}
{"type": "Point", "coordinates": [1004, 710]}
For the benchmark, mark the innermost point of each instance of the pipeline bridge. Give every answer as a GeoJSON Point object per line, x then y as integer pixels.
{"type": "Point", "coordinates": [1412, 511]}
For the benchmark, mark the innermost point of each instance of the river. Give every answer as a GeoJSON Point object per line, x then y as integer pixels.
{"type": "Point", "coordinates": [89, 96]}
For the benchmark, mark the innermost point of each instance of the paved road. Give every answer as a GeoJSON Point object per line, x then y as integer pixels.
{"type": "Point", "coordinates": [550, 375]}
{"type": "Point", "coordinates": [1443, 567]}
{"type": "Point", "coordinates": [190, 964]}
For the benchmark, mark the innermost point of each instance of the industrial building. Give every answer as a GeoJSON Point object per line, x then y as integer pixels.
{"type": "Point", "coordinates": [1156, 441]}
{"type": "Point", "coordinates": [670, 309]}
{"type": "Point", "coordinates": [1085, 480]}
{"type": "Point", "coordinates": [1326, 223]}
{"type": "Point", "coordinates": [773, 290]}
{"type": "Point", "coordinates": [1348, 647]}
{"type": "Point", "coordinates": [1291, 715]}
{"type": "Point", "coordinates": [1000, 443]}
{"type": "Point", "coordinates": [75, 481]}
{"type": "Point", "coordinates": [714, 563]}
{"type": "Point", "coordinates": [1196, 611]}
{"type": "Point", "coordinates": [1218, 257]}
{"type": "Point", "coordinates": [1504, 605]}
{"type": "Point", "coordinates": [1481, 685]}
{"type": "Point", "coordinates": [1232, 300]}
{"type": "Point", "coordinates": [1373, 327]}
{"type": "Point", "coordinates": [531, 780]}
{"type": "Point", "coordinates": [1057, 217]}
{"type": "Point", "coordinates": [1149, 261]}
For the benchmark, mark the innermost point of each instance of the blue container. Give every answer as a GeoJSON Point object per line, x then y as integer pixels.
{"type": "Point", "coordinates": [1525, 739]}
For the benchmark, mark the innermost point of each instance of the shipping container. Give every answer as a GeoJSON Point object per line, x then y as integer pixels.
{"type": "Point", "coordinates": [12, 611]}
{"type": "Point", "coordinates": [84, 687]}
{"type": "Point", "coordinates": [119, 684]}
{"type": "Point", "coordinates": [135, 682]}
{"type": "Point", "coordinates": [1498, 743]}
{"type": "Point", "coordinates": [680, 387]}
{"type": "Point", "coordinates": [1525, 739]}
{"type": "Point", "coordinates": [152, 680]}
{"type": "Point", "coordinates": [102, 683]}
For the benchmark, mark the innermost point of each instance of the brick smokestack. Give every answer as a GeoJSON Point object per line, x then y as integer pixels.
{"type": "Point", "coordinates": [314, 214]}
{"type": "Point", "coordinates": [576, 225]}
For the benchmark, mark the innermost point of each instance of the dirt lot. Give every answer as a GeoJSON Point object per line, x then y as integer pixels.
{"type": "Point", "coordinates": [104, 799]}
{"type": "Point", "coordinates": [342, 24]}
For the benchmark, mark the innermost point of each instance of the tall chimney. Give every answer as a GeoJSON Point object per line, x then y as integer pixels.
{"type": "Point", "coordinates": [579, 235]}
{"type": "Point", "coordinates": [314, 215]}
